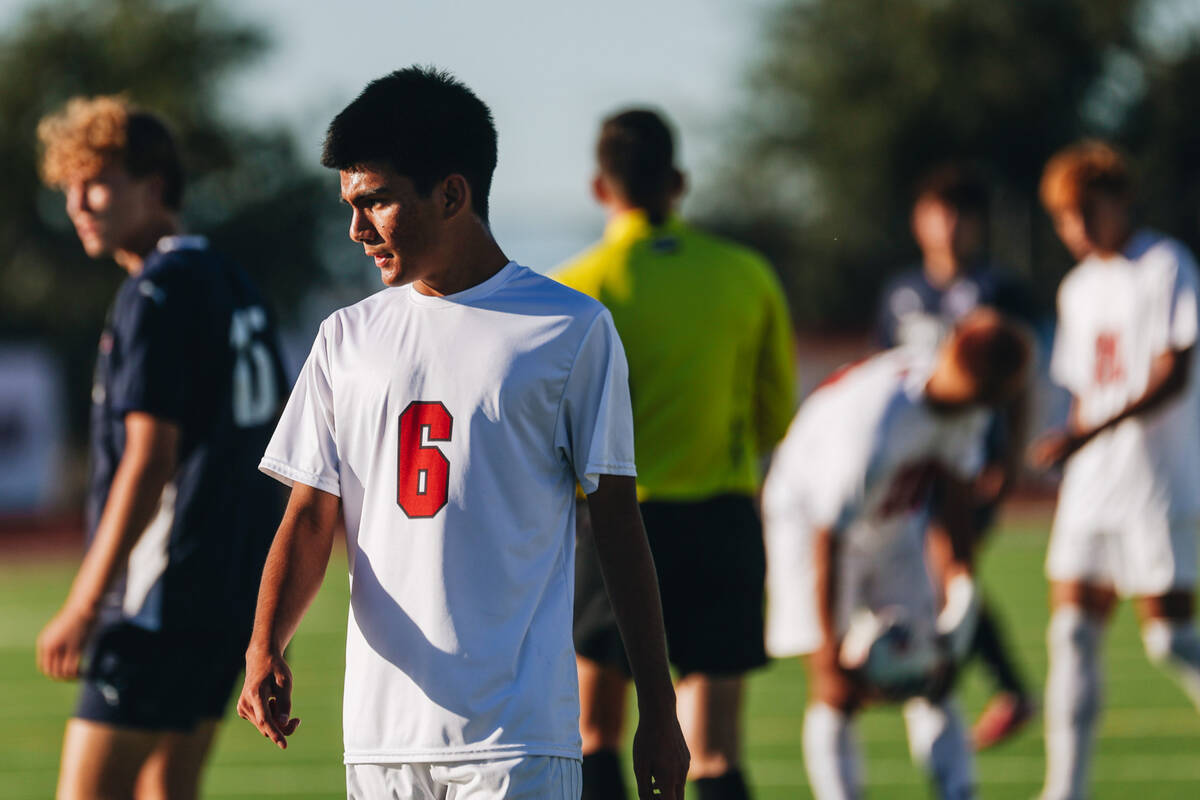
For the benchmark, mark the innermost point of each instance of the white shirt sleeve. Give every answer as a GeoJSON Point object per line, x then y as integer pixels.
{"type": "Point", "coordinates": [595, 417]}
{"type": "Point", "coordinates": [1065, 359]}
{"type": "Point", "coordinates": [303, 448]}
{"type": "Point", "coordinates": [834, 461]}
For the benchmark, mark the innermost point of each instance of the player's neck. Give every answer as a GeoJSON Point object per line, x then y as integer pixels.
{"type": "Point", "coordinates": [947, 391]}
{"type": "Point", "coordinates": [131, 257]}
{"type": "Point", "coordinates": [942, 269]}
{"type": "Point", "coordinates": [467, 261]}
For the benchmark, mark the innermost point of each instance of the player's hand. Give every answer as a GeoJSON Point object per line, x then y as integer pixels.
{"type": "Point", "coordinates": [266, 700]}
{"type": "Point", "coordinates": [1054, 448]}
{"type": "Point", "coordinates": [660, 755]}
{"type": "Point", "coordinates": [60, 644]}
{"type": "Point", "coordinates": [834, 683]}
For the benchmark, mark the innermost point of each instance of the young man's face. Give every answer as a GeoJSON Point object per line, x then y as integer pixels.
{"type": "Point", "coordinates": [939, 229]}
{"type": "Point", "coordinates": [1100, 225]}
{"type": "Point", "coordinates": [396, 226]}
{"type": "Point", "coordinates": [112, 210]}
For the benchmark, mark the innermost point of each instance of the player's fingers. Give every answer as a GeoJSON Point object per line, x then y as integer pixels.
{"type": "Point", "coordinates": [262, 717]}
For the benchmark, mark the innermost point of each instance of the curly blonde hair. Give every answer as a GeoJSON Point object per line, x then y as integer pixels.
{"type": "Point", "coordinates": [89, 133]}
{"type": "Point", "coordinates": [83, 137]}
{"type": "Point", "coordinates": [1073, 172]}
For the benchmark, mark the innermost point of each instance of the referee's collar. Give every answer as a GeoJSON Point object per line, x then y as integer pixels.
{"type": "Point", "coordinates": [634, 224]}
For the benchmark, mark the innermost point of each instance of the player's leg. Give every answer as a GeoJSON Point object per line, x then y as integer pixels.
{"type": "Point", "coordinates": [710, 710]}
{"type": "Point", "coordinates": [1165, 555]}
{"type": "Point", "coordinates": [603, 671]}
{"type": "Point", "coordinates": [711, 567]}
{"type": "Point", "coordinates": [937, 740]}
{"type": "Point", "coordinates": [831, 754]}
{"type": "Point", "coordinates": [1079, 611]}
{"type": "Point", "coordinates": [101, 761]}
{"type": "Point", "coordinates": [172, 769]}
{"type": "Point", "coordinates": [602, 695]}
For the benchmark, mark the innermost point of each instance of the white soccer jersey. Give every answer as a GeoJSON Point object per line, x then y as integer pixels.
{"type": "Point", "coordinates": [454, 429]}
{"type": "Point", "coordinates": [1114, 317]}
{"type": "Point", "coordinates": [859, 458]}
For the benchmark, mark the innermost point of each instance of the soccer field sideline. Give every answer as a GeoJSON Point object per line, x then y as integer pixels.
{"type": "Point", "coordinates": [1148, 735]}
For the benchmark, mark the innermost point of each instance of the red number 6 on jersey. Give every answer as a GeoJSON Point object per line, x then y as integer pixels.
{"type": "Point", "coordinates": [423, 470]}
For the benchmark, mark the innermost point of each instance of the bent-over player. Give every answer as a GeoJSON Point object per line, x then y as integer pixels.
{"type": "Point", "coordinates": [709, 342]}
{"type": "Point", "coordinates": [917, 309]}
{"type": "Point", "coordinates": [447, 420]}
{"type": "Point", "coordinates": [1128, 505]}
{"type": "Point", "coordinates": [847, 506]}
{"type": "Point", "coordinates": [188, 382]}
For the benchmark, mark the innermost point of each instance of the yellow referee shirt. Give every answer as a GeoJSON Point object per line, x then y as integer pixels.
{"type": "Point", "coordinates": [709, 344]}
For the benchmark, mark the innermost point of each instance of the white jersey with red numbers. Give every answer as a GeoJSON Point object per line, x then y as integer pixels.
{"type": "Point", "coordinates": [1141, 478]}
{"type": "Point", "coordinates": [860, 459]}
{"type": "Point", "coordinates": [454, 430]}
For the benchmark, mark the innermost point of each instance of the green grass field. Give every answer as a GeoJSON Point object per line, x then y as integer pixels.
{"type": "Point", "coordinates": [1147, 748]}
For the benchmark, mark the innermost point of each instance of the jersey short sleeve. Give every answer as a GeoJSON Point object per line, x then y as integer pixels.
{"type": "Point", "coordinates": [152, 371]}
{"type": "Point", "coordinates": [1182, 311]}
{"type": "Point", "coordinates": [303, 448]}
{"type": "Point", "coordinates": [595, 418]}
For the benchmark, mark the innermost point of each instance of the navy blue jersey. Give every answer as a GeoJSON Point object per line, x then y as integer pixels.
{"type": "Point", "coordinates": [191, 340]}
{"type": "Point", "coordinates": [914, 312]}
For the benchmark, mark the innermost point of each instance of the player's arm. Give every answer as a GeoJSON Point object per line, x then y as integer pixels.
{"type": "Point", "coordinates": [292, 575]}
{"type": "Point", "coordinates": [659, 750]}
{"type": "Point", "coordinates": [149, 461]}
{"type": "Point", "coordinates": [1169, 375]}
{"type": "Point", "coordinates": [951, 545]}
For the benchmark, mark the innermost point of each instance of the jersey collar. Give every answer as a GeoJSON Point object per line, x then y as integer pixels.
{"type": "Point", "coordinates": [634, 224]}
{"type": "Point", "coordinates": [169, 244]}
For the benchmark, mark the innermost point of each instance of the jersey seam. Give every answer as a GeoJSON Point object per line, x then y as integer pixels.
{"type": "Point", "coordinates": [458, 753]}
{"type": "Point", "coordinates": [562, 400]}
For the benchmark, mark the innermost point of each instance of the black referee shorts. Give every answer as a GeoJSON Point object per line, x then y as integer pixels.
{"type": "Point", "coordinates": [711, 565]}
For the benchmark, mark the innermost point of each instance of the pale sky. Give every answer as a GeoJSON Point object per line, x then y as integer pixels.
{"type": "Point", "coordinates": [549, 69]}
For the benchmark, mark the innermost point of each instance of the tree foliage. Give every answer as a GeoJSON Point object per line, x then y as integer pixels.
{"type": "Point", "coordinates": [247, 189]}
{"type": "Point", "coordinates": [850, 101]}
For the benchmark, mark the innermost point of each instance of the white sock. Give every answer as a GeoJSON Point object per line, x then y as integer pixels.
{"type": "Point", "coordinates": [937, 740]}
{"type": "Point", "coordinates": [1073, 697]}
{"type": "Point", "coordinates": [1176, 647]}
{"type": "Point", "coordinates": [831, 754]}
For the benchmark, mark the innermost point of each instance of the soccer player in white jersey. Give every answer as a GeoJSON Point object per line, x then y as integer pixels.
{"type": "Point", "coordinates": [447, 420]}
{"type": "Point", "coordinates": [1125, 525]}
{"type": "Point", "coordinates": [847, 506]}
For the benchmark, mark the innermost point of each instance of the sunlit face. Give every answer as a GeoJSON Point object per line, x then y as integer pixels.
{"type": "Point", "coordinates": [395, 225]}
{"type": "Point", "coordinates": [112, 209]}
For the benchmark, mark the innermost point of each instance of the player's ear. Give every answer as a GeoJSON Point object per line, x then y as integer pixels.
{"type": "Point", "coordinates": [454, 195]}
{"type": "Point", "coordinates": [678, 183]}
{"type": "Point", "coordinates": [600, 189]}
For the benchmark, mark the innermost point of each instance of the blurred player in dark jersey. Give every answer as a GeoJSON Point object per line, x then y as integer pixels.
{"type": "Point", "coordinates": [917, 310]}
{"type": "Point", "coordinates": [188, 383]}
{"type": "Point", "coordinates": [708, 338]}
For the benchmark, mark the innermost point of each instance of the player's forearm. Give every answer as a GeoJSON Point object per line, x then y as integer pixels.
{"type": "Point", "coordinates": [295, 566]}
{"type": "Point", "coordinates": [825, 555]}
{"type": "Point", "coordinates": [1169, 374]}
{"type": "Point", "coordinates": [133, 500]}
{"type": "Point", "coordinates": [632, 585]}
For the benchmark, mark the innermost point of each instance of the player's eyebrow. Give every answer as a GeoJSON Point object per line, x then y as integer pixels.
{"type": "Point", "coordinates": [364, 195]}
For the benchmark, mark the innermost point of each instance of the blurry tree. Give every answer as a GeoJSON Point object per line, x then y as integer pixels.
{"type": "Point", "coordinates": [247, 190]}
{"type": "Point", "coordinates": [851, 101]}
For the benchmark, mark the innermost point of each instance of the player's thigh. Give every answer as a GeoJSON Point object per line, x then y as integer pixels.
{"type": "Point", "coordinates": [711, 565]}
{"type": "Point", "coordinates": [709, 711]}
{"type": "Point", "coordinates": [172, 770]}
{"type": "Point", "coordinates": [100, 761]}
{"type": "Point", "coordinates": [521, 778]}
{"type": "Point", "coordinates": [602, 692]}
{"type": "Point", "coordinates": [1098, 600]}
{"type": "Point", "coordinates": [1158, 556]}
{"type": "Point", "coordinates": [594, 627]}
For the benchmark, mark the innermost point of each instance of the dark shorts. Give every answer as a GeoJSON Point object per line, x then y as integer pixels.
{"type": "Point", "coordinates": [711, 566]}
{"type": "Point", "coordinates": [135, 678]}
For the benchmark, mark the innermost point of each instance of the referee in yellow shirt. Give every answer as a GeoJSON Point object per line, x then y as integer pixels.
{"type": "Point", "coordinates": [708, 338]}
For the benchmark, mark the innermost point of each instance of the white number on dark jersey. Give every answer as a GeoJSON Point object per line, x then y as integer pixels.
{"type": "Point", "coordinates": [255, 388]}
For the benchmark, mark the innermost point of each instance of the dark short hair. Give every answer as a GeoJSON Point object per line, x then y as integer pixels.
{"type": "Point", "coordinates": [151, 150]}
{"type": "Point", "coordinates": [958, 186]}
{"type": "Point", "coordinates": [422, 122]}
{"type": "Point", "coordinates": [636, 150]}
{"type": "Point", "coordinates": [993, 348]}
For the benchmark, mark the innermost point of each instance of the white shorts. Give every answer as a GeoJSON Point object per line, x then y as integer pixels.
{"type": "Point", "coordinates": [522, 778]}
{"type": "Point", "coordinates": [1147, 557]}
{"type": "Point", "coordinates": [895, 575]}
